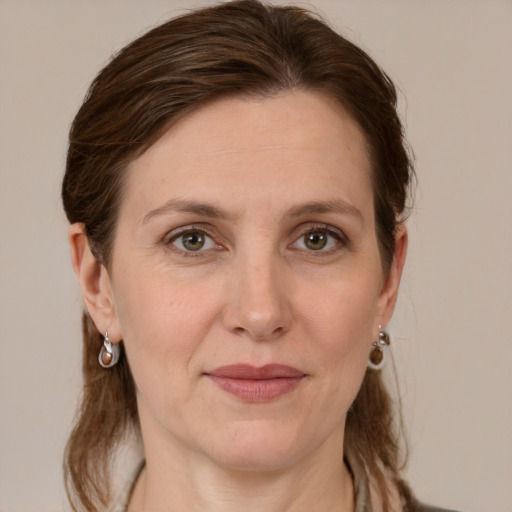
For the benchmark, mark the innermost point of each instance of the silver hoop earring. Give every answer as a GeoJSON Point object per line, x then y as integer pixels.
{"type": "Point", "coordinates": [109, 353]}
{"type": "Point", "coordinates": [377, 357]}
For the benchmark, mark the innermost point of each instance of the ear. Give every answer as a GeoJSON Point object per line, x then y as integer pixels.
{"type": "Point", "coordinates": [94, 282]}
{"type": "Point", "coordinates": [389, 292]}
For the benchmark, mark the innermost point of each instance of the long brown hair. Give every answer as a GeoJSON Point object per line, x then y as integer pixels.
{"type": "Point", "coordinates": [240, 47]}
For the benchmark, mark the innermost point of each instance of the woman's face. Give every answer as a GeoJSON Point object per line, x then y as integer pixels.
{"type": "Point", "coordinates": [246, 280]}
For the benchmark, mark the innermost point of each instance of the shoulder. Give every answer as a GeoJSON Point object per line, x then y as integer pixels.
{"type": "Point", "coordinates": [429, 508]}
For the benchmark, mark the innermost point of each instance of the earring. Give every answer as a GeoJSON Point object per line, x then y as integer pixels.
{"type": "Point", "coordinates": [378, 352]}
{"type": "Point", "coordinates": [109, 353]}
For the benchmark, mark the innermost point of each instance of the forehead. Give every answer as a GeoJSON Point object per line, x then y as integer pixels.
{"type": "Point", "coordinates": [298, 145]}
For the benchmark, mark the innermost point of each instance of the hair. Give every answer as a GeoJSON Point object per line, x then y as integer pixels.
{"type": "Point", "coordinates": [245, 48]}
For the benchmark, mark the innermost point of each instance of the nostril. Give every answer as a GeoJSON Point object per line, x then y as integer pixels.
{"type": "Point", "coordinates": [259, 333]}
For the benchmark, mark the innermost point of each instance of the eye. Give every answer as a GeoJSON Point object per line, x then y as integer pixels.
{"type": "Point", "coordinates": [318, 239]}
{"type": "Point", "coordinates": [192, 240]}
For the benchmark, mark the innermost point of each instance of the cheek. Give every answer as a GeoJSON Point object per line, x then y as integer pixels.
{"type": "Point", "coordinates": [337, 339]}
{"type": "Point", "coordinates": [342, 323]}
{"type": "Point", "coordinates": [161, 335]}
{"type": "Point", "coordinates": [150, 302]}
{"type": "Point", "coordinates": [343, 317]}
{"type": "Point", "coordinates": [164, 320]}
{"type": "Point", "coordinates": [156, 324]}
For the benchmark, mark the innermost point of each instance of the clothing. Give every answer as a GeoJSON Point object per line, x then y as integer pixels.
{"type": "Point", "coordinates": [124, 498]}
{"type": "Point", "coordinates": [365, 494]}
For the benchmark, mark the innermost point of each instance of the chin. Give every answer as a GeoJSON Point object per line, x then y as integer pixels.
{"type": "Point", "coordinates": [258, 449]}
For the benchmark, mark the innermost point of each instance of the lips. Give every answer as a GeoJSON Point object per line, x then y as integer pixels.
{"type": "Point", "coordinates": [257, 384]}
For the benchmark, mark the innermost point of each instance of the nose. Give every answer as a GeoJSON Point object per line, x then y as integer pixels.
{"type": "Point", "coordinates": [258, 306]}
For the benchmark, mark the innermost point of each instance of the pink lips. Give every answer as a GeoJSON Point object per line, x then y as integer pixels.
{"type": "Point", "coordinates": [257, 384]}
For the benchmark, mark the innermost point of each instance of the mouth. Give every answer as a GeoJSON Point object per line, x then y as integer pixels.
{"type": "Point", "coordinates": [256, 384]}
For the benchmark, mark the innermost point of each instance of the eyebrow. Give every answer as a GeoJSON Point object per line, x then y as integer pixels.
{"type": "Point", "coordinates": [208, 210]}
{"type": "Point", "coordinates": [188, 206]}
{"type": "Point", "coordinates": [333, 206]}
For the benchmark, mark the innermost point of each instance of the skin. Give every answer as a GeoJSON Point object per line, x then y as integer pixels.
{"type": "Point", "coordinates": [255, 293]}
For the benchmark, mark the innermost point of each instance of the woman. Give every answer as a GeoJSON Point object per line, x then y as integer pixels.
{"type": "Point", "coordinates": [236, 185]}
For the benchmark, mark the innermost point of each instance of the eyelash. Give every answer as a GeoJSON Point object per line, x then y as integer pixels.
{"type": "Point", "coordinates": [181, 232]}
{"type": "Point", "coordinates": [339, 236]}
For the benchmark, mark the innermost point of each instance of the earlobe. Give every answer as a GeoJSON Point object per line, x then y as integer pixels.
{"type": "Point", "coordinates": [389, 293]}
{"type": "Point", "coordinates": [94, 282]}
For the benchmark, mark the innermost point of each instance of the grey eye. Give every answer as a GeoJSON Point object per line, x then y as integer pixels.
{"type": "Point", "coordinates": [193, 241]}
{"type": "Point", "coordinates": [317, 240]}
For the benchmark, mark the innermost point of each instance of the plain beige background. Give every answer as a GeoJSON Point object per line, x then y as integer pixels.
{"type": "Point", "coordinates": [452, 60]}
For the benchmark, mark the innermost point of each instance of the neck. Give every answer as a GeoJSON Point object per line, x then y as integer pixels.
{"type": "Point", "coordinates": [170, 482]}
